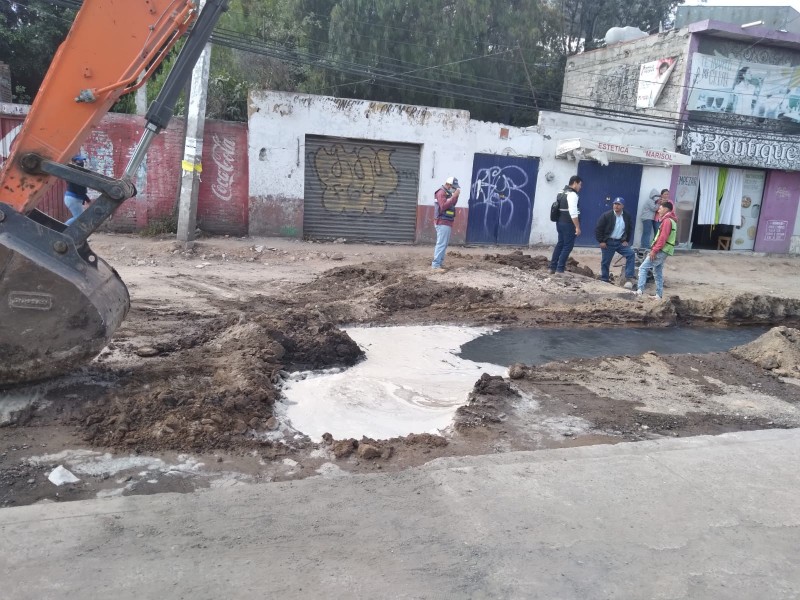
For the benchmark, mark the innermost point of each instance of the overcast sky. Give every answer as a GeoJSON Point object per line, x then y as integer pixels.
{"type": "Point", "coordinates": [795, 4]}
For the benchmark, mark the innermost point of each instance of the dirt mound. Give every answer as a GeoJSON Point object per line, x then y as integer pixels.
{"type": "Point", "coordinates": [212, 394]}
{"type": "Point", "coordinates": [413, 294]}
{"type": "Point", "coordinates": [743, 308]}
{"type": "Point", "coordinates": [351, 275]}
{"type": "Point", "coordinates": [778, 351]}
{"type": "Point", "coordinates": [370, 449]}
{"type": "Point", "coordinates": [528, 262]}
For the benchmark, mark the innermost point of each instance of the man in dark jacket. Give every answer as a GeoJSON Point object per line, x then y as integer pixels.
{"type": "Point", "coordinates": [76, 197]}
{"type": "Point", "coordinates": [614, 232]}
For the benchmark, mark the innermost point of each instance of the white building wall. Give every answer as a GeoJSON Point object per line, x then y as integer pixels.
{"type": "Point", "coordinates": [279, 122]}
{"type": "Point", "coordinates": [558, 126]}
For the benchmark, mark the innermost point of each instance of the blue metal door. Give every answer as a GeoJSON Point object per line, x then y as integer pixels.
{"type": "Point", "coordinates": [501, 199]}
{"type": "Point", "coordinates": [600, 185]}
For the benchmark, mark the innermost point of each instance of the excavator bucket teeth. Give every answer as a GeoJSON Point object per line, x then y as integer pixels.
{"type": "Point", "coordinates": [59, 305]}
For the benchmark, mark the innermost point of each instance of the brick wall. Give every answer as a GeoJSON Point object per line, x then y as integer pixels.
{"type": "Point", "coordinates": [222, 201]}
{"type": "Point", "coordinates": [223, 194]}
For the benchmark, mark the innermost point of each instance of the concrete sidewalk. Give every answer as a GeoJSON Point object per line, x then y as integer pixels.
{"type": "Point", "coordinates": [699, 518]}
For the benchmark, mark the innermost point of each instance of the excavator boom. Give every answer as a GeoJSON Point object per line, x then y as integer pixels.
{"type": "Point", "coordinates": [59, 302]}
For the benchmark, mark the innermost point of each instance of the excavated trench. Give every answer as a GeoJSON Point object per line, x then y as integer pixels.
{"type": "Point", "coordinates": [209, 382]}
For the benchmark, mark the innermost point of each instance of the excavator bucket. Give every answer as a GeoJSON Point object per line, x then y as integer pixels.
{"type": "Point", "coordinates": [59, 305]}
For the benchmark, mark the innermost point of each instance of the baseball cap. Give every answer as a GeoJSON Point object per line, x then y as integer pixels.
{"type": "Point", "coordinates": [452, 181]}
{"type": "Point", "coordinates": [619, 200]}
{"type": "Point", "coordinates": [79, 157]}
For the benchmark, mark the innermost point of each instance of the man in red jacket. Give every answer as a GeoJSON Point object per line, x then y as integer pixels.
{"type": "Point", "coordinates": [663, 246]}
{"type": "Point", "coordinates": [444, 215]}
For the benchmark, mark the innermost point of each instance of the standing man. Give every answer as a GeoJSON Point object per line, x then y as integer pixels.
{"type": "Point", "coordinates": [663, 246]}
{"type": "Point", "coordinates": [614, 232]}
{"type": "Point", "coordinates": [444, 215]}
{"type": "Point", "coordinates": [568, 225]}
{"type": "Point", "coordinates": [76, 197]}
{"type": "Point", "coordinates": [647, 215]}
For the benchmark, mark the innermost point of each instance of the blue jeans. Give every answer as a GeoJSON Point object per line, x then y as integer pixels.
{"type": "Point", "coordinates": [657, 267]}
{"type": "Point", "coordinates": [647, 232]}
{"type": "Point", "coordinates": [607, 253]}
{"type": "Point", "coordinates": [442, 240]}
{"type": "Point", "coordinates": [75, 206]}
{"type": "Point", "coordinates": [565, 244]}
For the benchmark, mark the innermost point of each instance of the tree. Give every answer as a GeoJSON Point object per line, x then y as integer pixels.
{"type": "Point", "coordinates": [585, 22]}
{"type": "Point", "coordinates": [30, 34]}
{"type": "Point", "coordinates": [479, 55]}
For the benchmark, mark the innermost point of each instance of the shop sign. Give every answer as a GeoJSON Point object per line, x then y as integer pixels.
{"type": "Point", "coordinates": [742, 151]}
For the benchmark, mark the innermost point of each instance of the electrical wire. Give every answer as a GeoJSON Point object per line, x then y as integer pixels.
{"type": "Point", "coordinates": [455, 91]}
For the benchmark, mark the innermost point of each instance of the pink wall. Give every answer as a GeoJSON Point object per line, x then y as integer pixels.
{"type": "Point", "coordinates": [778, 212]}
{"type": "Point", "coordinates": [426, 232]}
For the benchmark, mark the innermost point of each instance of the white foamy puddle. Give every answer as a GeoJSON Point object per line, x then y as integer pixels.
{"type": "Point", "coordinates": [411, 382]}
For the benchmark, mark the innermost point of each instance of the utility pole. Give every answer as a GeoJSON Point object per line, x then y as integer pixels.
{"type": "Point", "coordinates": [141, 99]}
{"type": "Point", "coordinates": [193, 146]}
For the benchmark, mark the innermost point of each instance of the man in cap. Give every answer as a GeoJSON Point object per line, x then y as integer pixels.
{"type": "Point", "coordinates": [614, 233]}
{"type": "Point", "coordinates": [444, 214]}
{"type": "Point", "coordinates": [75, 197]}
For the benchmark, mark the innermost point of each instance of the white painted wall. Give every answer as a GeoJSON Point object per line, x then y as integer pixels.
{"type": "Point", "coordinates": [559, 126]}
{"type": "Point", "coordinates": [279, 122]}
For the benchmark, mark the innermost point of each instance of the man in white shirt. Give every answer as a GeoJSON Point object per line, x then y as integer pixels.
{"type": "Point", "coordinates": [568, 224]}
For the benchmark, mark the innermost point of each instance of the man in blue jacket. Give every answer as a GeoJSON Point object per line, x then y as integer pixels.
{"type": "Point", "coordinates": [75, 198]}
{"type": "Point", "coordinates": [614, 232]}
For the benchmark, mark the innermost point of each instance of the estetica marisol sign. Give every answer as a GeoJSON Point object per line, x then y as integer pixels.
{"type": "Point", "coordinates": [635, 152]}
{"type": "Point", "coordinates": [613, 148]}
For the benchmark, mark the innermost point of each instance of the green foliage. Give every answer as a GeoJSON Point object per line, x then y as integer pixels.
{"type": "Point", "coordinates": [30, 34]}
{"type": "Point", "coordinates": [585, 23]}
{"type": "Point", "coordinates": [502, 61]}
{"type": "Point", "coordinates": [162, 226]}
{"type": "Point", "coordinates": [478, 55]}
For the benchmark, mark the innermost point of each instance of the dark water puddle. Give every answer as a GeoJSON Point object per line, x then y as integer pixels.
{"type": "Point", "coordinates": [538, 346]}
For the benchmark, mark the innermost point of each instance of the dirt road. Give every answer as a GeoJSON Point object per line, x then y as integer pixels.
{"type": "Point", "coordinates": [184, 395]}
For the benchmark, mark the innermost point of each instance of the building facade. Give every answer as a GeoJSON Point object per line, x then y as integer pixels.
{"type": "Point", "coordinates": [329, 168]}
{"type": "Point", "coordinates": [732, 96]}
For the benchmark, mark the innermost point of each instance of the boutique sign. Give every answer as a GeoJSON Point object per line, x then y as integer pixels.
{"type": "Point", "coordinates": [742, 151]}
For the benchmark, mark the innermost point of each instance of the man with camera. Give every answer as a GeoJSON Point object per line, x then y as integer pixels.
{"type": "Point", "coordinates": [444, 215]}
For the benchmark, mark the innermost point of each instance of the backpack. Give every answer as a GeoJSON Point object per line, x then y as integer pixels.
{"type": "Point", "coordinates": [555, 208]}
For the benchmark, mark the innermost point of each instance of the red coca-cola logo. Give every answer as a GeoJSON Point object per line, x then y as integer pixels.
{"type": "Point", "coordinates": [223, 154]}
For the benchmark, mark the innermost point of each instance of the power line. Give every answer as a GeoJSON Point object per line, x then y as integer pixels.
{"type": "Point", "coordinates": [404, 80]}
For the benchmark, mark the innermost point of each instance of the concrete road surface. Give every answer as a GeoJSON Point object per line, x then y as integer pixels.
{"type": "Point", "coordinates": [699, 518]}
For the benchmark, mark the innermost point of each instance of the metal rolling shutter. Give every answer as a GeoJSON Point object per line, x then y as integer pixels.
{"type": "Point", "coordinates": [360, 190]}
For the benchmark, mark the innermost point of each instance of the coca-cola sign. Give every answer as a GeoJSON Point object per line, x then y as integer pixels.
{"type": "Point", "coordinates": [223, 153]}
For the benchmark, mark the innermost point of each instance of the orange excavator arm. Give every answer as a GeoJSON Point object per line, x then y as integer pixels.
{"type": "Point", "coordinates": [59, 302]}
{"type": "Point", "coordinates": [110, 44]}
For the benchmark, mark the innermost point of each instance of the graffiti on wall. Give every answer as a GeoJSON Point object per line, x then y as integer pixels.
{"type": "Point", "coordinates": [616, 86]}
{"type": "Point", "coordinates": [357, 180]}
{"type": "Point", "coordinates": [501, 189]}
{"type": "Point", "coordinates": [223, 153]}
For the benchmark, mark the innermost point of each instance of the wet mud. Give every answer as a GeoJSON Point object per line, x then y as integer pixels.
{"type": "Point", "coordinates": [205, 379]}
